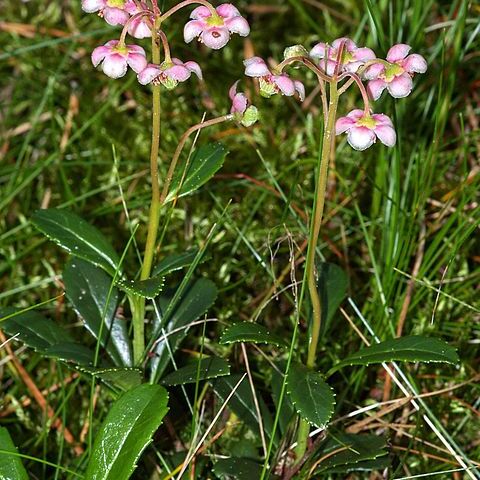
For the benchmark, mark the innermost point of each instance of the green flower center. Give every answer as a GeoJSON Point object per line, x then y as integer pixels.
{"type": "Point", "coordinates": [215, 21]}
{"type": "Point", "coordinates": [122, 50]}
{"type": "Point", "coordinates": [392, 71]}
{"type": "Point", "coordinates": [367, 121]}
{"type": "Point", "coordinates": [116, 3]}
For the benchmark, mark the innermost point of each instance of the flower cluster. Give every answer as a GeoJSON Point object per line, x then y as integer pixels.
{"type": "Point", "coordinates": [343, 61]}
{"type": "Point", "coordinates": [212, 26]}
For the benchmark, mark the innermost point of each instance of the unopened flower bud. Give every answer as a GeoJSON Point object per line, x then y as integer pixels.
{"type": "Point", "coordinates": [295, 51]}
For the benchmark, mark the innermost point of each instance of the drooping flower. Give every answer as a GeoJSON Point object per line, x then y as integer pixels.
{"type": "Point", "coordinates": [364, 129]}
{"type": "Point", "coordinates": [215, 30]}
{"type": "Point", "coordinates": [141, 26]}
{"type": "Point", "coordinates": [169, 73]}
{"type": "Point", "coordinates": [272, 83]}
{"type": "Point", "coordinates": [353, 57]}
{"type": "Point", "coordinates": [115, 12]}
{"type": "Point", "coordinates": [397, 77]}
{"type": "Point", "coordinates": [246, 114]}
{"type": "Point", "coordinates": [116, 58]}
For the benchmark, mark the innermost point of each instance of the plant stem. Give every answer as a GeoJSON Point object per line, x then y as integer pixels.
{"type": "Point", "coordinates": [316, 222]}
{"type": "Point", "coordinates": [138, 303]}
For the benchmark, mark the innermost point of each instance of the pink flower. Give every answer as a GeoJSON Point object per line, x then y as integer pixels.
{"type": "Point", "coordinates": [115, 58]}
{"type": "Point", "coordinates": [215, 30]}
{"type": "Point", "coordinates": [246, 114]}
{"type": "Point", "coordinates": [115, 12]}
{"type": "Point", "coordinates": [364, 129]}
{"type": "Point", "coordinates": [239, 100]}
{"type": "Point", "coordinates": [271, 83]}
{"type": "Point", "coordinates": [140, 27]}
{"type": "Point", "coordinates": [352, 59]}
{"type": "Point", "coordinates": [397, 77]}
{"type": "Point", "coordinates": [169, 73]}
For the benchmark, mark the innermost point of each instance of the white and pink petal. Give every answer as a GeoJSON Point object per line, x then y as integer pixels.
{"type": "Point", "coordinates": [300, 89]}
{"type": "Point", "coordinates": [215, 37]}
{"type": "Point", "coordinates": [192, 30]}
{"type": "Point", "coordinates": [400, 86]}
{"type": "Point", "coordinates": [227, 10]}
{"type": "Point", "coordinates": [148, 74]}
{"type": "Point", "coordinates": [343, 124]}
{"type": "Point", "coordinates": [386, 134]}
{"type": "Point", "coordinates": [114, 65]}
{"type": "Point", "coordinates": [92, 6]}
{"type": "Point", "coordinates": [256, 67]}
{"type": "Point", "coordinates": [115, 16]}
{"type": "Point", "coordinates": [415, 63]}
{"type": "Point", "coordinates": [285, 84]}
{"type": "Point", "coordinates": [137, 62]}
{"type": "Point", "coordinates": [376, 87]}
{"type": "Point", "coordinates": [238, 25]}
{"type": "Point", "coordinates": [200, 13]}
{"type": "Point", "coordinates": [398, 52]}
{"type": "Point", "coordinates": [360, 138]}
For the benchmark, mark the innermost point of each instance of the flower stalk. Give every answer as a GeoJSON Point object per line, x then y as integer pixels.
{"type": "Point", "coordinates": [315, 225]}
{"type": "Point", "coordinates": [138, 303]}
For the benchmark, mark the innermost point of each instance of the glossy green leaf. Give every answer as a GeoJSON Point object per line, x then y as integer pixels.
{"type": "Point", "coordinates": [11, 467]}
{"type": "Point", "coordinates": [71, 352]}
{"type": "Point", "coordinates": [405, 349]}
{"type": "Point", "coordinates": [250, 332]}
{"type": "Point", "coordinates": [120, 379]}
{"type": "Point", "coordinates": [78, 237]}
{"type": "Point", "coordinates": [33, 329]}
{"type": "Point", "coordinates": [203, 165]}
{"type": "Point", "coordinates": [149, 288]}
{"type": "Point", "coordinates": [45, 337]}
{"type": "Point", "coordinates": [126, 432]}
{"type": "Point", "coordinates": [356, 450]}
{"type": "Point", "coordinates": [191, 305]}
{"type": "Point", "coordinates": [311, 394]}
{"type": "Point", "coordinates": [206, 368]}
{"type": "Point", "coordinates": [332, 287]}
{"type": "Point", "coordinates": [379, 464]}
{"type": "Point", "coordinates": [174, 262]}
{"type": "Point", "coordinates": [242, 404]}
{"type": "Point", "coordinates": [237, 468]}
{"type": "Point", "coordinates": [94, 299]}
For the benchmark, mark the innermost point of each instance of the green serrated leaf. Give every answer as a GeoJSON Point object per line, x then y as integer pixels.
{"type": "Point", "coordinates": [405, 349]}
{"type": "Point", "coordinates": [352, 450]}
{"type": "Point", "coordinates": [252, 333]}
{"type": "Point", "coordinates": [174, 262]}
{"type": "Point", "coordinates": [204, 369]}
{"type": "Point", "coordinates": [312, 396]}
{"type": "Point", "coordinates": [11, 467]}
{"type": "Point", "coordinates": [78, 237]}
{"type": "Point", "coordinates": [88, 288]}
{"type": "Point", "coordinates": [192, 304]}
{"type": "Point", "coordinates": [71, 352]}
{"type": "Point", "coordinates": [126, 432]}
{"type": "Point", "coordinates": [33, 329]}
{"type": "Point", "coordinates": [237, 468]}
{"type": "Point", "coordinates": [45, 337]}
{"type": "Point", "coordinates": [149, 288]}
{"type": "Point", "coordinates": [123, 379]}
{"type": "Point", "coordinates": [378, 464]}
{"type": "Point", "coordinates": [204, 163]}
{"type": "Point", "coordinates": [242, 403]}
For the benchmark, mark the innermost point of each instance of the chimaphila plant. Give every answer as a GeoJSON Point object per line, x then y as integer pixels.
{"type": "Point", "coordinates": [94, 278]}
{"type": "Point", "coordinates": [337, 67]}
{"type": "Point", "coordinates": [213, 27]}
